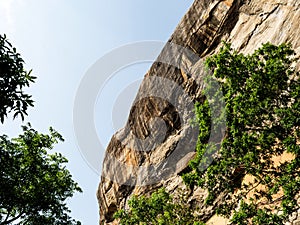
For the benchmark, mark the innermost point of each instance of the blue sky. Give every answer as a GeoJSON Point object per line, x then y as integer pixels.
{"type": "Point", "coordinates": [60, 40]}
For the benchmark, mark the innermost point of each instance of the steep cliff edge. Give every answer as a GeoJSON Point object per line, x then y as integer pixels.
{"type": "Point", "coordinates": [157, 142]}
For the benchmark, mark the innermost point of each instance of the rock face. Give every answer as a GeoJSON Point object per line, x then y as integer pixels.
{"type": "Point", "coordinates": [158, 140]}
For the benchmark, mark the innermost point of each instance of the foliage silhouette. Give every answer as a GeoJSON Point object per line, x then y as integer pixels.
{"type": "Point", "coordinates": [13, 79]}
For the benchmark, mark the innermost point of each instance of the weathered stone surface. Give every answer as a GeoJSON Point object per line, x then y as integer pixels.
{"type": "Point", "coordinates": [156, 143]}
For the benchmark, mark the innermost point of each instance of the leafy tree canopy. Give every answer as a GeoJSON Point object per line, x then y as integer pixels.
{"type": "Point", "coordinates": [34, 184]}
{"type": "Point", "coordinates": [262, 103]}
{"type": "Point", "coordinates": [13, 78]}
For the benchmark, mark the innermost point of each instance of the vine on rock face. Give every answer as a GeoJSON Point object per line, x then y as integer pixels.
{"type": "Point", "coordinates": [258, 164]}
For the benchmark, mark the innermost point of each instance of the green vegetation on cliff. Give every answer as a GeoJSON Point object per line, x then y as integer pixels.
{"type": "Point", "coordinates": [257, 165]}
{"type": "Point", "coordinates": [160, 208]}
{"type": "Point", "coordinates": [262, 97]}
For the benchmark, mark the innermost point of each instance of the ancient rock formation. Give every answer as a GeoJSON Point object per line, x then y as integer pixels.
{"type": "Point", "coordinates": [157, 141]}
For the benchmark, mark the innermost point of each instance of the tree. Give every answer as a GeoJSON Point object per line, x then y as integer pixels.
{"type": "Point", "coordinates": [34, 184]}
{"type": "Point", "coordinates": [262, 104]}
{"type": "Point", "coordinates": [257, 167]}
{"type": "Point", "coordinates": [13, 78]}
{"type": "Point", "coordinates": [158, 209]}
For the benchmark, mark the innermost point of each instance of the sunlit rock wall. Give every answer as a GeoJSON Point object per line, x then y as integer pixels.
{"type": "Point", "coordinates": [157, 142]}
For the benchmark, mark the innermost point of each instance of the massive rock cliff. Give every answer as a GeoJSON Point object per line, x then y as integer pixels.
{"type": "Point", "coordinates": [157, 141]}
